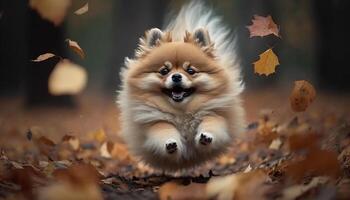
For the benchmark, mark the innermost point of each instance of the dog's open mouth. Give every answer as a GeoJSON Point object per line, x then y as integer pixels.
{"type": "Point", "coordinates": [178, 93]}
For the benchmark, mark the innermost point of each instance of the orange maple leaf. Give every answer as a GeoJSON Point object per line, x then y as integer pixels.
{"type": "Point", "coordinates": [263, 26]}
{"type": "Point", "coordinates": [267, 63]}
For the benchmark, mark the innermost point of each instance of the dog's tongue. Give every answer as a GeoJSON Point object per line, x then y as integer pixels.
{"type": "Point", "coordinates": [178, 95]}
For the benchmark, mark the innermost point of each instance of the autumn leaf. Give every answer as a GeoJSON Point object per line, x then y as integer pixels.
{"type": "Point", "coordinates": [238, 186]}
{"type": "Point", "coordinates": [315, 160]}
{"type": "Point", "coordinates": [43, 57]}
{"type": "Point", "coordinates": [72, 140]}
{"type": "Point", "coordinates": [67, 78]}
{"type": "Point", "coordinates": [52, 10]}
{"type": "Point", "coordinates": [76, 48]}
{"type": "Point", "coordinates": [77, 182]}
{"type": "Point", "coordinates": [296, 191]}
{"type": "Point", "coordinates": [175, 191]}
{"type": "Point", "coordinates": [263, 26]}
{"type": "Point", "coordinates": [99, 135]}
{"type": "Point", "coordinates": [267, 63]}
{"type": "Point", "coordinates": [303, 94]}
{"type": "Point", "coordinates": [82, 10]}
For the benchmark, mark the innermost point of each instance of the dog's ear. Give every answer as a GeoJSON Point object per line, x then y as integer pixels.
{"type": "Point", "coordinates": [153, 37]}
{"type": "Point", "coordinates": [201, 36]}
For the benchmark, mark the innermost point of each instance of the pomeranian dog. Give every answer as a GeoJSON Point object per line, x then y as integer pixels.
{"type": "Point", "coordinates": [180, 97]}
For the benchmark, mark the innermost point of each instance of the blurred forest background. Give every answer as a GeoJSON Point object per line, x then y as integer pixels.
{"type": "Point", "coordinates": [47, 132]}
{"type": "Point", "coordinates": [313, 45]}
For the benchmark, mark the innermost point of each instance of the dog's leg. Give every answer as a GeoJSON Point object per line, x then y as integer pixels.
{"type": "Point", "coordinates": [212, 133]}
{"type": "Point", "coordinates": [163, 138]}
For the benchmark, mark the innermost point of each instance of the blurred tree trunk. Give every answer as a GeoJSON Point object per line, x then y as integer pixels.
{"type": "Point", "coordinates": [333, 43]}
{"type": "Point", "coordinates": [43, 37]}
{"type": "Point", "coordinates": [133, 18]}
{"type": "Point", "coordinates": [13, 47]}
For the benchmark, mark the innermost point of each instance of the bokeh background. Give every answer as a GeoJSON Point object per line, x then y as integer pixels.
{"type": "Point", "coordinates": [313, 46]}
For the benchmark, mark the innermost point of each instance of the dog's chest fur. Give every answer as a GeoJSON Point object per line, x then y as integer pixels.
{"type": "Point", "coordinates": [186, 123]}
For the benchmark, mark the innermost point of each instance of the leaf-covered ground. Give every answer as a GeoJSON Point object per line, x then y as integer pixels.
{"type": "Point", "coordinates": [75, 153]}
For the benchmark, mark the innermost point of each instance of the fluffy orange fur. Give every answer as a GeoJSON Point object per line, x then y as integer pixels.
{"type": "Point", "coordinates": [172, 134]}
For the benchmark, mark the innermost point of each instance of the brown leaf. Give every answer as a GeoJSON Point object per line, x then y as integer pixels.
{"type": "Point", "coordinates": [296, 191]}
{"type": "Point", "coordinates": [43, 57]}
{"type": "Point", "coordinates": [263, 26]}
{"type": "Point", "coordinates": [52, 10]}
{"type": "Point", "coordinates": [120, 152]}
{"type": "Point", "coordinates": [76, 48]}
{"type": "Point", "coordinates": [82, 10]}
{"type": "Point", "coordinates": [238, 186]}
{"type": "Point", "coordinates": [78, 174]}
{"type": "Point", "coordinates": [67, 78]}
{"type": "Point", "coordinates": [174, 191]}
{"type": "Point", "coordinates": [78, 182]}
{"type": "Point", "coordinates": [45, 145]}
{"type": "Point", "coordinates": [267, 63]}
{"type": "Point", "coordinates": [313, 160]}
{"type": "Point", "coordinates": [72, 140]}
{"type": "Point", "coordinates": [303, 94]}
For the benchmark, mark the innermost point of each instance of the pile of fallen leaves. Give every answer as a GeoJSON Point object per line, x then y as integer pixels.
{"type": "Point", "coordinates": [293, 157]}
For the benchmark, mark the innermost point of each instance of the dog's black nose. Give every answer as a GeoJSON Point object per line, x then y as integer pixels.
{"type": "Point", "coordinates": [176, 78]}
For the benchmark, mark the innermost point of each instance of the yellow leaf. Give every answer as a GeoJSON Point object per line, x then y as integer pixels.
{"type": "Point", "coordinates": [267, 63]}
{"type": "Point", "coordinates": [100, 135]}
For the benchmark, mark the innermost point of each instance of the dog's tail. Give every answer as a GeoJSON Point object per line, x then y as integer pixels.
{"type": "Point", "coordinates": [196, 15]}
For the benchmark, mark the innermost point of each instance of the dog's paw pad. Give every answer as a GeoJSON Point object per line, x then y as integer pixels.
{"type": "Point", "coordinates": [205, 138]}
{"type": "Point", "coordinates": [171, 146]}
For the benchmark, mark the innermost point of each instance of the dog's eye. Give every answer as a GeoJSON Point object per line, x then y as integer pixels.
{"type": "Point", "coordinates": [190, 71]}
{"type": "Point", "coordinates": [164, 71]}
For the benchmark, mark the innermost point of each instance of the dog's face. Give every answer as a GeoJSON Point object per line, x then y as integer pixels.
{"type": "Point", "coordinates": [178, 71]}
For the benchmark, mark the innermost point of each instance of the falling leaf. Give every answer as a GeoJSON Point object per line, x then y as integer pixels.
{"type": "Point", "coordinates": [76, 48]}
{"type": "Point", "coordinates": [82, 10]}
{"type": "Point", "coordinates": [266, 63]}
{"type": "Point", "coordinates": [52, 10]}
{"type": "Point", "coordinates": [238, 186]}
{"type": "Point", "coordinates": [43, 57]}
{"type": "Point", "coordinates": [67, 78]}
{"type": "Point", "coordinates": [263, 26]}
{"type": "Point", "coordinates": [174, 191]}
{"type": "Point", "coordinates": [303, 94]}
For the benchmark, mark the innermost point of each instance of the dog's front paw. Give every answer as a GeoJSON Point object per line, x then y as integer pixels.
{"type": "Point", "coordinates": [171, 146]}
{"type": "Point", "coordinates": [204, 138]}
